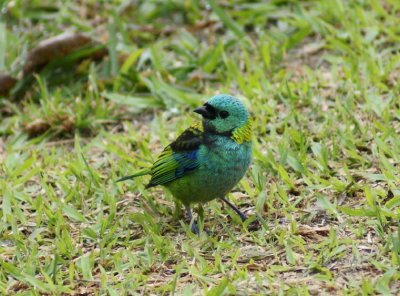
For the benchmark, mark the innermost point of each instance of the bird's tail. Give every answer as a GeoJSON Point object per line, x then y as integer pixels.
{"type": "Point", "coordinates": [142, 172]}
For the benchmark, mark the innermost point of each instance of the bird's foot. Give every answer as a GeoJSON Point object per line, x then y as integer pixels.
{"type": "Point", "coordinates": [195, 228]}
{"type": "Point", "coordinates": [254, 225]}
{"type": "Point", "coordinates": [242, 216]}
{"type": "Point", "coordinates": [193, 223]}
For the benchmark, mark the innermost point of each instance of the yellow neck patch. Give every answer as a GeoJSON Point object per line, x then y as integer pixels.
{"type": "Point", "coordinates": [243, 133]}
{"type": "Point", "coordinates": [198, 125]}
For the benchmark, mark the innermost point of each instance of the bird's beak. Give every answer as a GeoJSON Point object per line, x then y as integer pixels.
{"type": "Point", "coordinates": [203, 111]}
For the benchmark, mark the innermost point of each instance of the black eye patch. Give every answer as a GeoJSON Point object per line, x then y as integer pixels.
{"type": "Point", "coordinates": [223, 114]}
{"type": "Point", "coordinates": [212, 112]}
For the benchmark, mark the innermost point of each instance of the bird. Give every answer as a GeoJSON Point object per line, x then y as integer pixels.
{"type": "Point", "coordinates": [208, 159]}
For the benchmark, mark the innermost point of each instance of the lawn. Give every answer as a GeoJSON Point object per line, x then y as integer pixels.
{"type": "Point", "coordinates": [321, 79]}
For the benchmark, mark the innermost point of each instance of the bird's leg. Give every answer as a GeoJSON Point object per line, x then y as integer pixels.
{"type": "Point", "coordinates": [193, 223]}
{"type": "Point", "coordinates": [241, 215]}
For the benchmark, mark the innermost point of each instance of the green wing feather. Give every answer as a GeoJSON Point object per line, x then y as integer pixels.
{"type": "Point", "coordinates": [142, 172]}
{"type": "Point", "coordinates": [179, 158]}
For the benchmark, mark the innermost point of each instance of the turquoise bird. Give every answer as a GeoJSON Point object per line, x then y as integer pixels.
{"type": "Point", "coordinates": [209, 158]}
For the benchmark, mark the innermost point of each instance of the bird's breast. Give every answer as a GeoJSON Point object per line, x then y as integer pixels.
{"type": "Point", "coordinates": [225, 159]}
{"type": "Point", "coordinates": [223, 163]}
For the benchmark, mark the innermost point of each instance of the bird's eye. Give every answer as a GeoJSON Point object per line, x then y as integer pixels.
{"type": "Point", "coordinates": [224, 114]}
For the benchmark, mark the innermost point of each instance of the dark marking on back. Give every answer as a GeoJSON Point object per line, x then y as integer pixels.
{"type": "Point", "coordinates": [190, 139]}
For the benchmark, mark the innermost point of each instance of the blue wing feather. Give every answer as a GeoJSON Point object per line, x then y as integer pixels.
{"type": "Point", "coordinates": [187, 162]}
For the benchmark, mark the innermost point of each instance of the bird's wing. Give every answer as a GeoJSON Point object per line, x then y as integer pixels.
{"type": "Point", "coordinates": [179, 158]}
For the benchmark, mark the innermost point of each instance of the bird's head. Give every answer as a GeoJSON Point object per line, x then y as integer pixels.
{"type": "Point", "coordinates": [224, 114]}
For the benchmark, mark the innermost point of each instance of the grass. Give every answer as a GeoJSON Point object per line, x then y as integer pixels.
{"type": "Point", "coordinates": [322, 81]}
